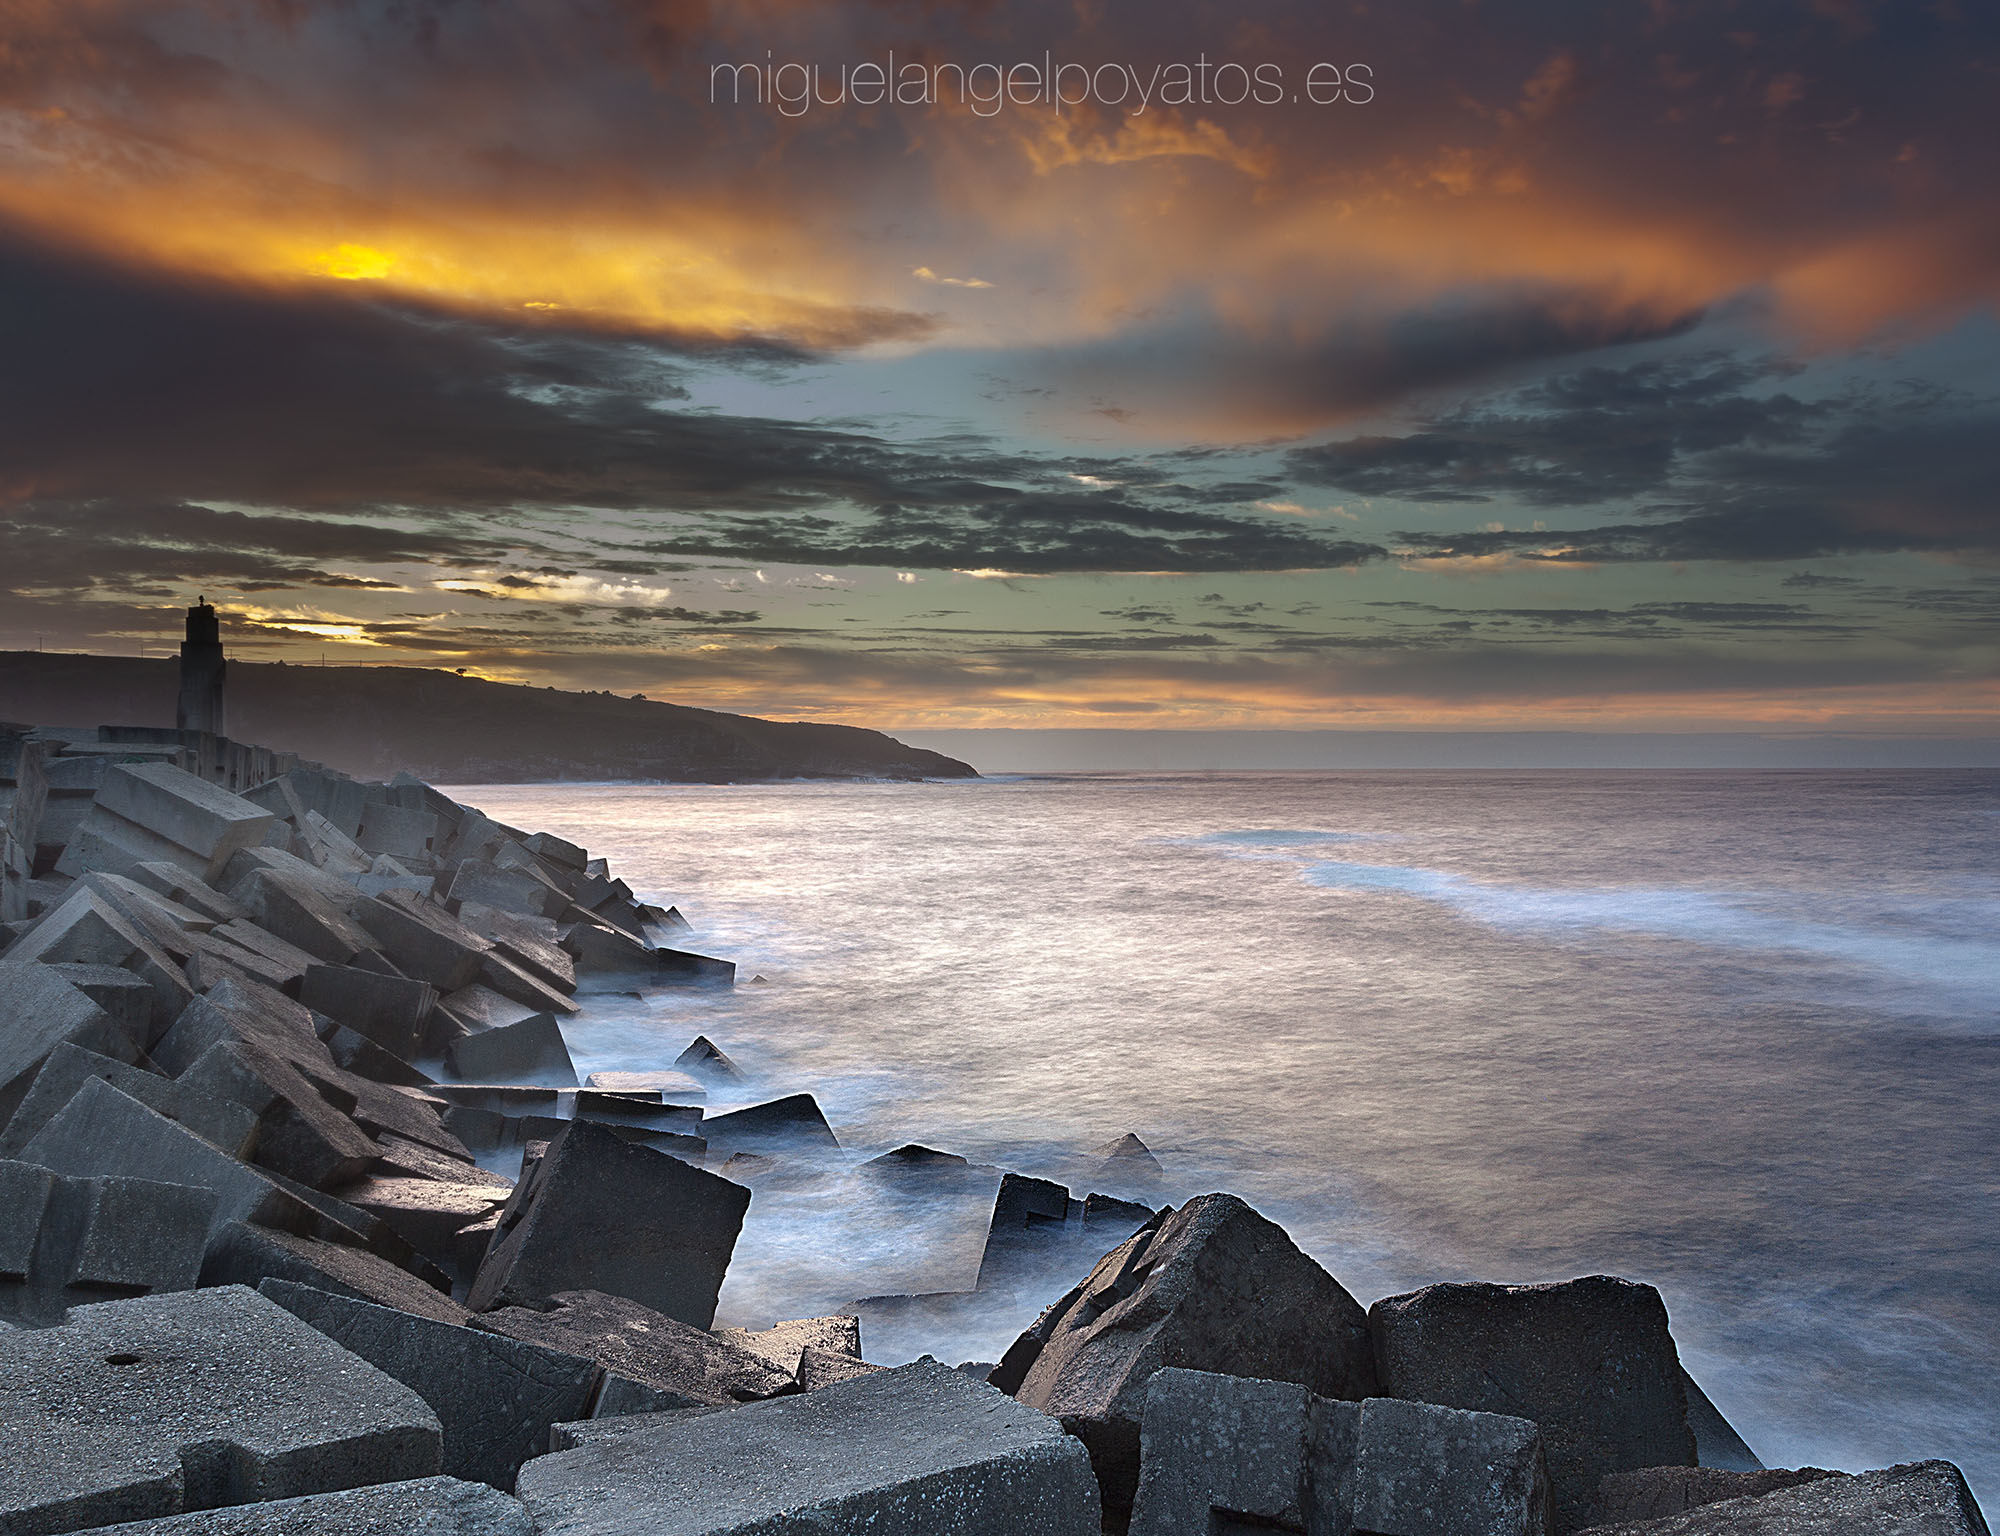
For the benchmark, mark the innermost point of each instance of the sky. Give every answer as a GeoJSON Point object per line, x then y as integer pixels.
{"type": "Point", "coordinates": [1417, 366]}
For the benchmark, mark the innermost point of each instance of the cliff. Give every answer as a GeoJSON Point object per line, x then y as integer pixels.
{"type": "Point", "coordinates": [374, 722]}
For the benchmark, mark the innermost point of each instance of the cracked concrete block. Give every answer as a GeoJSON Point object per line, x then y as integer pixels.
{"type": "Point", "coordinates": [430, 1506]}
{"type": "Point", "coordinates": [496, 1397]}
{"type": "Point", "coordinates": [196, 1400]}
{"type": "Point", "coordinates": [478, 883]}
{"type": "Point", "coordinates": [599, 1213]}
{"type": "Point", "coordinates": [839, 1462]}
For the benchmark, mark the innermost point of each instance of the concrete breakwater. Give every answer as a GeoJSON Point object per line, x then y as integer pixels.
{"type": "Point", "coordinates": [307, 1224]}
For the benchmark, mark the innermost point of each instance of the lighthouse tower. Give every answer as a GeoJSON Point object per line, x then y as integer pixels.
{"type": "Point", "coordinates": [202, 672]}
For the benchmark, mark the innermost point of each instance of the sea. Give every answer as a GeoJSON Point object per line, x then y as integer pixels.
{"type": "Point", "coordinates": [1736, 1035]}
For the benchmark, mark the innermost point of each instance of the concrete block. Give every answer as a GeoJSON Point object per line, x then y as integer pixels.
{"type": "Point", "coordinates": [606, 957]}
{"type": "Point", "coordinates": [480, 1007]}
{"type": "Point", "coordinates": [392, 1011]}
{"type": "Point", "coordinates": [103, 841]}
{"type": "Point", "coordinates": [601, 1214]}
{"type": "Point", "coordinates": [704, 1058]}
{"type": "Point", "coordinates": [430, 1506]}
{"type": "Point", "coordinates": [1422, 1470]}
{"type": "Point", "coordinates": [292, 910]}
{"type": "Point", "coordinates": [208, 822]}
{"type": "Point", "coordinates": [84, 929]}
{"type": "Point", "coordinates": [102, 1132]}
{"type": "Point", "coordinates": [424, 940]}
{"type": "Point", "coordinates": [555, 850]}
{"type": "Point", "coordinates": [497, 1398]}
{"type": "Point", "coordinates": [229, 1127]}
{"type": "Point", "coordinates": [644, 1113]}
{"type": "Point", "coordinates": [672, 1087]}
{"type": "Point", "coordinates": [784, 1343]}
{"type": "Point", "coordinates": [518, 984]}
{"type": "Point", "coordinates": [685, 966]}
{"type": "Point", "coordinates": [1589, 1360]}
{"type": "Point", "coordinates": [197, 1400]}
{"type": "Point", "coordinates": [431, 1215]}
{"type": "Point", "coordinates": [39, 1011]}
{"type": "Point", "coordinates": [1212, 1286]}
{"type": "Point", "coordinates": [791, 1123]}
{"type": "Point", "coordinates": [331, 887]}
{"type": "Point", "coordinates": [478, 883]}
{"type": "Point", "coordinates": [531, 1051]}
{"type": "Point", "coordinates": [1716, 1442]}
{"type": "Point", "coordinates": [839, 1462]}
{"type": "Point", "coordinates": [174, 882]}
{"type": "Point", "coordinates": [242, 1254]}
{"type": "Point", "coordinates": [399, 831]}
{"type": "Point", "coordinates": [358, 1054]}
{"type": "Point", "coordinates": [678, 1365]}
{"type": "Point", "coordinates": [1923, 1498]}
{"type": "Point", "coordinates": [299, 1134]}
{"type": "Point", "coordinates": [1652, 1493]}
{"type": "Point", "coordinates": [825, 1368]}
{"type": "Point", "coordinates": [530, 942]}
{"type": "Point", "coordinates": [67, 1242]}
{"type": "Point", "coordinates": [1224, 1452]}
{"type": "Point", "coordinates": [126, 997]}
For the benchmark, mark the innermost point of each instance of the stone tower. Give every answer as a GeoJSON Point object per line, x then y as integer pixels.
{"type": "Point", "coordinates": [202, 672]}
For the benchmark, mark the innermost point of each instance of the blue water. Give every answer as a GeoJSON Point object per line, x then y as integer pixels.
{"type": "Point", "coordinates": [1737, 1035]}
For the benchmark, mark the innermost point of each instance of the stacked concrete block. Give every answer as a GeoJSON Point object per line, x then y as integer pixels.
{"type": "Point", "coordinates": [227, 1126]}
{"type": "Point", "coordinates": [842, 1461]}
{"type": "Point", "coordinates": [85, 929]}
{"type": "Point", "coordinates": [197, 1400]}
{"type": "Point", "coordinates": [40, 1010]}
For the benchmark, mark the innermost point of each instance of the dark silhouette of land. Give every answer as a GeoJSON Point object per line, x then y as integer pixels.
{"type": "Point", "coordinates": [374, 722]}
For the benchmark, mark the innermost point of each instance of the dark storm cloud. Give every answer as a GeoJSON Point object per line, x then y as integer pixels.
{"type": "Point", "coordinates": [110, 383]}
{"type": "Point", "coordinates": [1709, 466]}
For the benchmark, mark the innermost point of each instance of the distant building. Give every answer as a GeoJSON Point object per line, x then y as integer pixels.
{"type": "Point", "coordinates": [202, 672]}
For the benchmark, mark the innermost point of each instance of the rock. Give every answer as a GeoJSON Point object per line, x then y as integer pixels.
{"type": "Point", "coordinates": [1213, 1286]}
{"type": "Point", "coordinates": [840, 1462]}
{"type": "Point", "coordinates": [790, 1122]}
{"type": "Point", "coordinates": [496, 1397]}
{"type": "Point", "coordinates": [1037, 1229]}
{"type": "Point", "coordinates": [1589, 1360]}
{"type": "Point", "coordinates": [912, 1157]}
{"type": "Point", "coordinates": [247, 1255]}
{"type": "Point", "coordinates": [672, 1087]}
{"type": "Point", "coordinates": [148, 1407]}
{"type": "Point", "coordinates": [783, 1343]}
{"type": "Point", "coordinates": [645, 1347]}
{"type": "Point", "coordinates": [1423, 1470]}
{"type": "Point", "coordinates": [531, 1051]}
{"type": "Point", "coordinates": [39, 1011]}
{"type": "Point", "coordinates": [599, 1213]}
{"type": "Point", "coordinates": [1650, 1493]}
{"type": "Point", "coordinates": [704, 1059]}
{"type": "Point", "coordinates": [684, 965]}
{"type": "Point", "coordinates": [1924, 1498]}
{"type": "Point", "coordinates": [67, 1242]}
{"type": "Point", "coordinates": [1128, 1152]}
{"type": "Point", "coordinates": [230, 1127]}
{"type": "Point", "coordinates": [430, 1506]}
{"type": "Point", "coordinates": [607, 957]}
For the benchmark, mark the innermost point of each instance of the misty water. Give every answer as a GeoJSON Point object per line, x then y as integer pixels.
{"type": "Point", "coordinates": [1737, 1035]}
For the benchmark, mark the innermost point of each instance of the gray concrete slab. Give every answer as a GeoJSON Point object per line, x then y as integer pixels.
{"type": "Point", "coordinates": [431, 1506]}
{"type": "Point", "coordinates": [196, 1400]}
{"type": "Point", "coordinates": [1422, 1470]}
{"type": "Point", "coordinates": [241, 1254]}
{"type": "Point", "coordinates": [40, 1010]}
{"type": "Point", "coordinates": [1922, 1498]}
{"type": "Point", "coordinates": [531, 1051]}
{"type": "Point", "coordinates": [496, 1397]}
{"type": "Point", "coordinates": [912, 1452]}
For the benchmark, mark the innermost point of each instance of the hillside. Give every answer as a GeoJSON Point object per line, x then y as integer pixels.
{"type": "Point", "coordinates": [376, 721]}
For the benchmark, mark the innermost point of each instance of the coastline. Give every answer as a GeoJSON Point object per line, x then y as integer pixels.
{"type": "Point", "coordinates": [528, 926]}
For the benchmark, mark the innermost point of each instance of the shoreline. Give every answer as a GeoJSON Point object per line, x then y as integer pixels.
{"type": "Point", "coordinates": [285, 966]}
